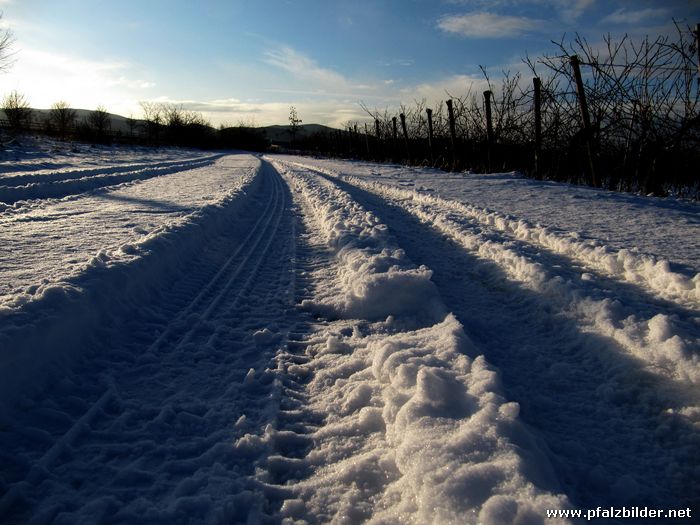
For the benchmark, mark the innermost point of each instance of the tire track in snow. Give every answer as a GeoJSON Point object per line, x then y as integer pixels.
{"type": "Point", "coordinates": [190, 385]}
{"type": "Point", "coordinates": [246, 257]}
{"type": "Point", "coordinates": [62, 185]}
{"type": "Point", "coordinates": [617, 434]}
{"type": "Point", "coordinates": [81, 173]}
{"type": "Point", "coordinates": [646, 271]}
{"type": "Point", "coordinates": [662, 333]}
{"type": "Point", "coordinates": [393, 387]}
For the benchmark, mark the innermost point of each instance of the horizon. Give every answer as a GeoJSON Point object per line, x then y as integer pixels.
{"type": "Point", "coordinates": [247, 64]}
{"type": "Point", "coordinates": [141, 118]}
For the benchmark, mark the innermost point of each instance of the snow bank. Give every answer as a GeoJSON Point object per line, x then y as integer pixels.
{"type": "Point", "coordinates": [656, 340]}
{"type": "Point", "coordinates": [645, 270]}
{"type": "Point", "coordinates": [648, 271]}
{"type": "Point", "coordinates": [416, 427]}
{"type": "Point", "coordinates": [48, 175]}
{"type": "Point", "coordinates": [51, 324]}
{"type": "Point", "coordinates": [666, 227]}
{"type": "Point", "coordinates": [59, 184]}
{"type": "Point", "coordinates": [377, 278]}
{"type": "Point", "coordinates": [419, 433]}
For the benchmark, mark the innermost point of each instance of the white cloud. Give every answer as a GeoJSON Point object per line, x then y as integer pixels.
{"type": "Point", "coordinates": [402, 62]}
{"type": "Point", "coordinates": [625, 16]}
{"type": "Point", "coordinates": [303, 67]}
{"type": "Point", "coordinates": [487, 25]}
{"type": "Point", "coordinates": [332, 111]}
{"type": "Point", "coordinates": [570, 11]}
{"type": "Point", "coordinates": [567, 10]}
{"type": "Point", "coordinates": [452, 86]}
{"type": "Point", "coordinates": [45, 77]}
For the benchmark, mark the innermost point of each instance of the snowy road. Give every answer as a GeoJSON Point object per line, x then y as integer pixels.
{"type": "Point", "coordinates": [233, 339]}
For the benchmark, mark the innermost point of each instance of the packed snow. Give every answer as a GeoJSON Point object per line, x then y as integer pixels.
{"type": "Point", "coordinates": [198, 337]}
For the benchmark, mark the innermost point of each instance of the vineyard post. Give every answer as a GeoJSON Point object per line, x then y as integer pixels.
{"type": "Point", "coordinates": [585, 116]}
{"type": "Point", "coordinates": [366, 140]}
{"type": "Point", "coordinates": [430, 134]}
{"type": "Point", "coordinates": [537, 84]}
{"type": "Point", "coordinates": [405, 136]}
{"type": "Point", "coordinates": [394, 149]}
{"type": "Point", "coordinates": [697, 46]}
{"type": "Point", "coordinates": [453, 133]}
{"type": "Point", "coordinates": [489, 128]}
{"type": "Point", "coordinates": [357, 141]}
{"type": "Point", "coordinates": [379, 138]}
{"type": "Point", "coordinates": [627, 167]}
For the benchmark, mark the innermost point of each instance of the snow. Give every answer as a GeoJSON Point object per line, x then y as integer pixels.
{"type": "Point", "coordinates": [431, 399]}
{"type": "Point", "coordinates": [665, 228]}
{"type": "Point", "coordinates": [99, 260]}
{"type": "Point", "coordinates": [47, 239]}
{"type": "Point", "coordinates": [418, 432]}
{"type": "Point", "coordinates": [223, 338]}
{"type": "Point", "coordinates": [646, 269]}
{"type": "Point", "coordinates": [377, 278]}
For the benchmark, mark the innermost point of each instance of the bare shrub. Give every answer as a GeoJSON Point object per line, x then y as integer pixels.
{"type": "Point", "coordinates": [17, 110]}
{"type": "Point", "coordinates": [62, 118]}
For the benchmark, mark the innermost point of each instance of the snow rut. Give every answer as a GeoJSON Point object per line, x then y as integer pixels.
{"type": "Point", "coordinates": [62, 184]}
{"type": "Point", "coordinates": [298, 353]}
{"type": "Point", "coordinates": [394, 378]}
{"type": "Point", "coordinates": [663, 333]}
{"type": "Point", "coordinates": [185, 368]}
{"type": "Point", "coordinates": [571, 382]}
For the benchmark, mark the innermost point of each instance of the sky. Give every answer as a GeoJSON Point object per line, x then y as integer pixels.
{"type": "Point", "coordinates": [247, 62]}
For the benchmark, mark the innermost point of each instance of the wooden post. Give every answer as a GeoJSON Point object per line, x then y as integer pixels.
{"type": "Point", "coordinates": [379, 138]}
{"type": "Point", "coordinates": [366, 140]}
{"type": "Point", "coordinates": [489, 119]}
{"type": "Point", "coordinates": [628, 170]}
{"type": "Point", "coordinates": [430, 134]}
{"type": "Point", "coordinates": [537, 84]}
{"type": "Point", "coordinates": [697, 46]}
{"type": "Point", "coordinates": [405, 136]}
{"type": "Point", "coordinates": [453, 133]}
{"type": "Point", "coordinates": [394, 150]}
{"type": "Point", "coordinates": [356, 140]}
{"type": "Point", "coordinates": [585, 116]}
{"type": "Point", "coordinates": [489, 128]}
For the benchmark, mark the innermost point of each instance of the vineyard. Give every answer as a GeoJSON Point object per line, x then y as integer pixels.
{"type": "Point", "coordinates": [622, 116]}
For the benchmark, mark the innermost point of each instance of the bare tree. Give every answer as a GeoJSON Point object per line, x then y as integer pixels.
{"type": "Point", "coordinates": [294, 122]}
{"type": "Point", "coordinates": [62, 118]}
{"type": "Point", "coordinates": [153, 118]}
{"type": "Point", "coordinates": [131, 124]}
{"type": "Point", "coordinates": [6, 40]}
{"type": "Point", "coordinates": [99, 122]}
{"type": "Point", "coordinates": [17, 110]}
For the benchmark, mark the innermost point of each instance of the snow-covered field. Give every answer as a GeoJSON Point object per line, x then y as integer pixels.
{"type": "Point", "coordinates": [190, 337]}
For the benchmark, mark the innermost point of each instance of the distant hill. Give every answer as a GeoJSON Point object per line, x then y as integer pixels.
{"type": "Point", "coordinates": [275, 134]}
{"type": "Point", "coordinates": [118, 123]}
{"type": "Point", "coordinates": [282, 136]}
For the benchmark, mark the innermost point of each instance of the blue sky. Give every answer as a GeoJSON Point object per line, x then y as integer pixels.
{"type": "Point", "coordinates": [248, 61]}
